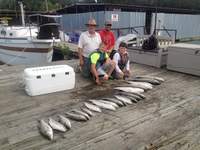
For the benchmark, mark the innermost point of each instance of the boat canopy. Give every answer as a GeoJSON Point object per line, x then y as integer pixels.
{"type": "Point", "coordinates": [48, 16]}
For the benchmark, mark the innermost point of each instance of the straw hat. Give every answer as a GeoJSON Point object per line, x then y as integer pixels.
{"type": "Point", "coordinates": [91, 22]}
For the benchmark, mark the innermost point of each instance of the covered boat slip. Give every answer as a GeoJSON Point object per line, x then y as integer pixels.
{"type": "Point", "coordinates": [168, 119]}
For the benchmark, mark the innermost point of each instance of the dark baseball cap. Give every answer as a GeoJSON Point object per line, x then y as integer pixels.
{"type": "Point", "coordinates": [123, 44]}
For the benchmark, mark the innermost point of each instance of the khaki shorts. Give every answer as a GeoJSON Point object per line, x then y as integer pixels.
{"type": "Point", "coordinates": [102, 70]}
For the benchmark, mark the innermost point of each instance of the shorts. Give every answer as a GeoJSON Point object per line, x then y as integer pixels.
{"type": "Point", "coordinates": [102, 70]}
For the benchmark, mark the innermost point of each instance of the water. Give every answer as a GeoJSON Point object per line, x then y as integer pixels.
{"type": "Point", "coordinates": [194, 42]}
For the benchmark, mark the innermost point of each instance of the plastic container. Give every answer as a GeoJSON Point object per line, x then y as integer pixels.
{"type": "Point", "coordinates": [48, 79]}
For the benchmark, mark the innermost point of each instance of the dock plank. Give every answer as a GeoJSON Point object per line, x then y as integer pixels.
{"type": "Point", "coordinates": [169, 117]}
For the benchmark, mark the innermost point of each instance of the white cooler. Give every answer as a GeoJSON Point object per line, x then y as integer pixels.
{"type": "Point", "coordinates": [48, 79]}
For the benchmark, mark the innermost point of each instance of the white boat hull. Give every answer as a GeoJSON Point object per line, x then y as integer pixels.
{"type": "Point", "coordinates": [16, 58]}
{"type": "Point", "coordinates": [14, 52]}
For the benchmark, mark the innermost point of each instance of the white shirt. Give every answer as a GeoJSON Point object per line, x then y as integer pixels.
{"type": "Point", "coordinates": [116, 59]}
{"type": "Point", "coordinates": [89, 43]}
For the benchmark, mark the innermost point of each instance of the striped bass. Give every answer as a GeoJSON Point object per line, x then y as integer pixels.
{"type": "Point", "coordinates": [45, 129]}
{"type": "Point", "coordinates": [114, 100]}
{"type": "Point", "coordinates": [81, 113]}
{"type": "Point", "coordinates": [152, 81]}
{"type": "Point", "coordinates": [86, 110]}
{"type": "Point", "coordinates": [130, 94]}
{"type": "Point", "coordinates": [65, 121]}
{"type": "Point", "coordinates": [75, 116]}
{"type": "Point", "coordinates": [152, 77]}
{"type": "Point", "coordinates": [124, 99]}
{"type": "Point", "coordinates": [103, 105]}
{"type": "Point", "coordinates": [109, 103]}
{"type": "Point", "coordinates": [142, 85]}
{"type": "Point", "coordinates": [56, 125]}
{"type": "Point", "coordinates": [130, 89]}
{"type": "Point", "coordinates": [92, 107]}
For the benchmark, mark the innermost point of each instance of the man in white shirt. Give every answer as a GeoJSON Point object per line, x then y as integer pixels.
{"type": "Point", "coordinates": [89, 41]}
{"type": "Point", "coordinates": [121, 59]}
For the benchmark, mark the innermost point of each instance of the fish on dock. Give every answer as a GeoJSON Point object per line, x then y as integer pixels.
{"type": "Point", "coordinates": [132, 99]}
{"type": "Point", "coordinates": [138, 98]}
{"type": "Point", "coordinates": [142, 85]}
{"type": "Point", "coordinates": [140, 95]}
{"type": "Point", "coordinates": [129, 89]}
{"type": "Point", "coordinates": [103, 105]}
{"type": "Point", "coordinates": [109, 103]}
{"type": "Point", "coordinates": [57, 125]}
{"type": "Point", "coordinates": [92, 107]}
{"type": "Point", "coordinates": [124, 99]}
{"type": "Point", "coordinates": [76, 117]}
{"type": "Point", "coordinates": [114, 100]}
{"type": "Point", "coordinates": [65, 121]}
{"type": "Point", "coordinates": [152, 77]}
{"type": "Point", "coordinates": [45, 129]}
{"type": "Point", "coordinates": [81, 113]}
{"type": "Point", "coordinates": [86, 110]}
{"type": "Point", "coordinates": [152, 81]}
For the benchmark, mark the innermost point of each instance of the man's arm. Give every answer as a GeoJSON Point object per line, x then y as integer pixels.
{"type": "Point", "coordinates": [94, 71]}
{"type": "Point", "coordinates": [80, 50]}
{"type": "Point", "coordinates": [80, 54]}
{"type": "Point", "coordinates": [116, 60]}
{"type": "Point", "coordinates": [95, 74]}
{"type": "Point", "coordinates": [128, 66]}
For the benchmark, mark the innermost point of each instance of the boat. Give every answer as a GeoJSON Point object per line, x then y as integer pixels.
{"type": "Point", "coordinates": [30, 43]}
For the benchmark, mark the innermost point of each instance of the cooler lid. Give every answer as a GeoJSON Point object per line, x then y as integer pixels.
{"type": "Point", "coordinates": [191, 49]}
{"type": "Point", "coordinates": [186, 45]}
{"type": "Point", "coordinates": [47, 70]}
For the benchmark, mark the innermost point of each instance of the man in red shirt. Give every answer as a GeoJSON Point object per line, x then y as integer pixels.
{"type": "Point", "coordinates": [107, 37]}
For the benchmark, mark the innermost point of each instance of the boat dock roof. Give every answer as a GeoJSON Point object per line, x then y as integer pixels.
{"type": "Point", "coordinates": [169, 118]}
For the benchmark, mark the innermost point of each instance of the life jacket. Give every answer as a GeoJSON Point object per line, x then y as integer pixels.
{"type": "Point", "coordinates": [112, 54]}
{"type": "Point", "coordinates": [121, 63]}
{"type": "Point", "coordinates": [102, 58]}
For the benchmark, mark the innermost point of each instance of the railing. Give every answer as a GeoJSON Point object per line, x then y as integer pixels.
{"type": "Point", "coordinates": [139, 30]}
{"type": "Point", "coordinates": [130, 30]}
{"type": "Point", "coordinates": [168, 32]}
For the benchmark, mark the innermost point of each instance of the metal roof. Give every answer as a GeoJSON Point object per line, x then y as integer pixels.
{"type": "Point", "coordinates": [92, 7]}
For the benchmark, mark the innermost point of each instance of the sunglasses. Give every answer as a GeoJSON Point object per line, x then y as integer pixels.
{"type": "Point", "coordinates": [108, 25]}
{"type": "Point", "coordinates": [92, 25]}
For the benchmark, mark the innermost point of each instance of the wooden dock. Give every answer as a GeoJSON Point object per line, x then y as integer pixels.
{"type": "Point", "coordinates": [168, 119]}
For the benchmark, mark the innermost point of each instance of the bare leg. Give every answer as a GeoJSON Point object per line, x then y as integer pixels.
{"type": "Point", "coordinates": [111, 67]}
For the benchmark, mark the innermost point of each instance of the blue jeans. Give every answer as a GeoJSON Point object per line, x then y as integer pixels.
{"type": "Point", "coordinates": [86, 68]}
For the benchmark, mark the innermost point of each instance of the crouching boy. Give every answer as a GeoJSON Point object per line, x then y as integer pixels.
{"type": "Point", "coordinates": [101, 65]}
{"type": "Point", "coordinates": [121, 59]}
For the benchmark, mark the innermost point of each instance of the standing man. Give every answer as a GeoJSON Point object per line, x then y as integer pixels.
{"type": "Point", "coordinates": [107, 37]}
{"type": "Point", "coordinates": [89, 41]}
{"type": "Point", "coordinates": [121, 59]}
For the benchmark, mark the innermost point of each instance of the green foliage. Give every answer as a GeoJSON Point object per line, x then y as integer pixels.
{"type": "Point", "coordinates": [35, 5]}
{"type": "Point", "coordinates": [64, 49]}
{"type": "Point", "coordinates": [7, 4]}
{"type": "Point", "coordinates": [40, 5]}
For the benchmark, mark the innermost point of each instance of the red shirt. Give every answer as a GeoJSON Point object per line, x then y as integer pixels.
{"type": "Point", "coordinates": [107, 38]}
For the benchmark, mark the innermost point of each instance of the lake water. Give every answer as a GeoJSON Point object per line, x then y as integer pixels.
{"type": "Point", "coordinates": [194, 42]}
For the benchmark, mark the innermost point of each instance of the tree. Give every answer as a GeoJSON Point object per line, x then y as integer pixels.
{"type": "Point", "coordinates": [39, 5]}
